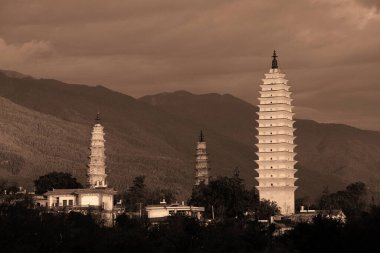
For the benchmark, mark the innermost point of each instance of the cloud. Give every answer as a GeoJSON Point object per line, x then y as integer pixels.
{"type": "Point", "coordinates": [370, 3]}
{"type": "Point", "coordinates": [142, 47]}
{"type": "Point", "coordinates": [12, 55]}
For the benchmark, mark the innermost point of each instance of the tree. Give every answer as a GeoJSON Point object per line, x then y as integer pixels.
{"type": "Point", "coordinates": [265, 209]}
{"type": "Point", "coordinates": [136, 194]}
{"type": "Point", "coordinates": [56, 180]}
{"type": "Point", "coordinates": [156, 195]}
{"type": "Point", "coordinates": [226, 195]}
{"type": "Point", "coordinates": [323, 235]}
{"type": "Point", "coordinates": [139, 195]}
{"type": "Point", "coordinates": [353, 200]}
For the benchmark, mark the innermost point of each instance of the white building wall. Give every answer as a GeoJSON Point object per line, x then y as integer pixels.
{"type": "Point", "coordinates": [107, 202]}
{"type": "Point", "coordinates": [92, 200]}
{"type": "Point", "coordinates": [158, 213]}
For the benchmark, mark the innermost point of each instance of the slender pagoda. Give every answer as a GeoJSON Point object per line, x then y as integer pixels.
{"type": "Point", "coordinates": [201, 162]}
{"type": "Point", "coordinates": [276, 141]}
{"type": "Point", "coordinates": [97, 177]}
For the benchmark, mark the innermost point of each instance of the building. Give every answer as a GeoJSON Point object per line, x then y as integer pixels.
{"type": "Point", "coordinates": [307, 216]}
{"type": "Point", "coordinates": [157, 213]}
{"type": "Point", "coordinates": [201, 162]}
{"type": "Point", "coordinates": [39, 200]}
{"type": "Point", "coordinates": [81, 198]}
{"type": "Point", "coordinates": [276, 141]}
{"type": "Point", "coordinates": [97, 197]}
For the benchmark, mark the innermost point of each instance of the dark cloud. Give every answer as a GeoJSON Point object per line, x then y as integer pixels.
{"type": "Point", "coordinates": [329, 49]}
{"type": "Point", "coordinates": [370, 3]}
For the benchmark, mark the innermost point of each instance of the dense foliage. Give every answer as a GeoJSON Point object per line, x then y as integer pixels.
{"type": "Point", "coordinates": [227, 197]}
{"type": "Point", "coordinates": [353, 200]}
{"type": "Point", "coordinates": [56, 180]}
{"type": "Point", "coordinates": [28, 230]}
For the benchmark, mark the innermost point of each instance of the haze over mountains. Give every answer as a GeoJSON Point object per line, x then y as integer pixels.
{"type": "Point", "coordinates": [45, 125]}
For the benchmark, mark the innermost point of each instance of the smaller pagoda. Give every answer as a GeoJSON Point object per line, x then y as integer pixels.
{"type": "Point", "coordinates": [97, 176]}
{"type": "Point", "coordinates": [201, 162]}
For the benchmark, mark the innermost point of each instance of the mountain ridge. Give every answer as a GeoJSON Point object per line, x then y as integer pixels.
{"type": "Point", "coordinates": [158, 140]}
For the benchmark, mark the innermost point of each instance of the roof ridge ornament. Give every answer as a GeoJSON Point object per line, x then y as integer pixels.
{"type": "Point", "coordinates": [274, 60]}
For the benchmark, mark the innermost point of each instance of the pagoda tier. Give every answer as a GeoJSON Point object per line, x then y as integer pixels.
{"type": "Point", "coordinates": [280, 107]}
{"type": "Point", "coordinates": [276, 164]}
{"type": "Point", "coordinates": [276, 156]}
{"type": "Point", "coordinates": [97, 176]}
{"type": "Point", "coordinates": [275, 122]}
{"type": "Point", "coordinates": [272, 180]}
{"type": "Point", "coordinates": [271, 171]}
{"type": "Point", "coordinates": [269, 147]}
{"type": "Point", "coordinates": [275, 93]}
{"type": "Point", "coordinates": [276, 138]}
{"type": "Point", "coordinates": [201, 162]}
{"type": "Point", "coordinates": [275, 130]}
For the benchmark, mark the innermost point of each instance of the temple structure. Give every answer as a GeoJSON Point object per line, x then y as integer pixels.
{"type": "Point", "coordinates": [201, 162]}
{"type": "Point", "coordinates": [97, 176]}
{"type": "Point", "coordinates": [276, 141]}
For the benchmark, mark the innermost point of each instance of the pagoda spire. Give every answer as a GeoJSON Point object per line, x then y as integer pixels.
{"type": "Point", "coordinates": [97, 119]}
{"type": "Point", "coordinates": [274, 60]}
{"type": "Point", "coordinates": [201, 162]}
{"type": "Point", "coordinates": [97, 177]}
{"type": "Point", "coordinates": [201, 137]}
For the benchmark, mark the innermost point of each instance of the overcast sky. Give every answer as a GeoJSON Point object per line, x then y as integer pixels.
{"type": "Point", "coordinates": [329, 49]}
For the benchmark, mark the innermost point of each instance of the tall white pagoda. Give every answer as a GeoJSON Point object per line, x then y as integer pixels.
{"type": "Point", "coordinates": [201, 162]}
{"type": "Point", "coordinates": [97, 177]}
{"type": "Point", "coordinates": [276, 141]}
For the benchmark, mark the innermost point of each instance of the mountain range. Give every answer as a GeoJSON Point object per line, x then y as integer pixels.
{"type": "Point", "coordinates": [45, 125]}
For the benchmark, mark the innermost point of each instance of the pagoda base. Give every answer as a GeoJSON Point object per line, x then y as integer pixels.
{"type": "Point", "coordinates": [283, 196]}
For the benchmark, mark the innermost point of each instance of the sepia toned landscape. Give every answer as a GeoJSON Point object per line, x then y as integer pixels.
{"type": "Point", "coordinates": [189, 126]}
